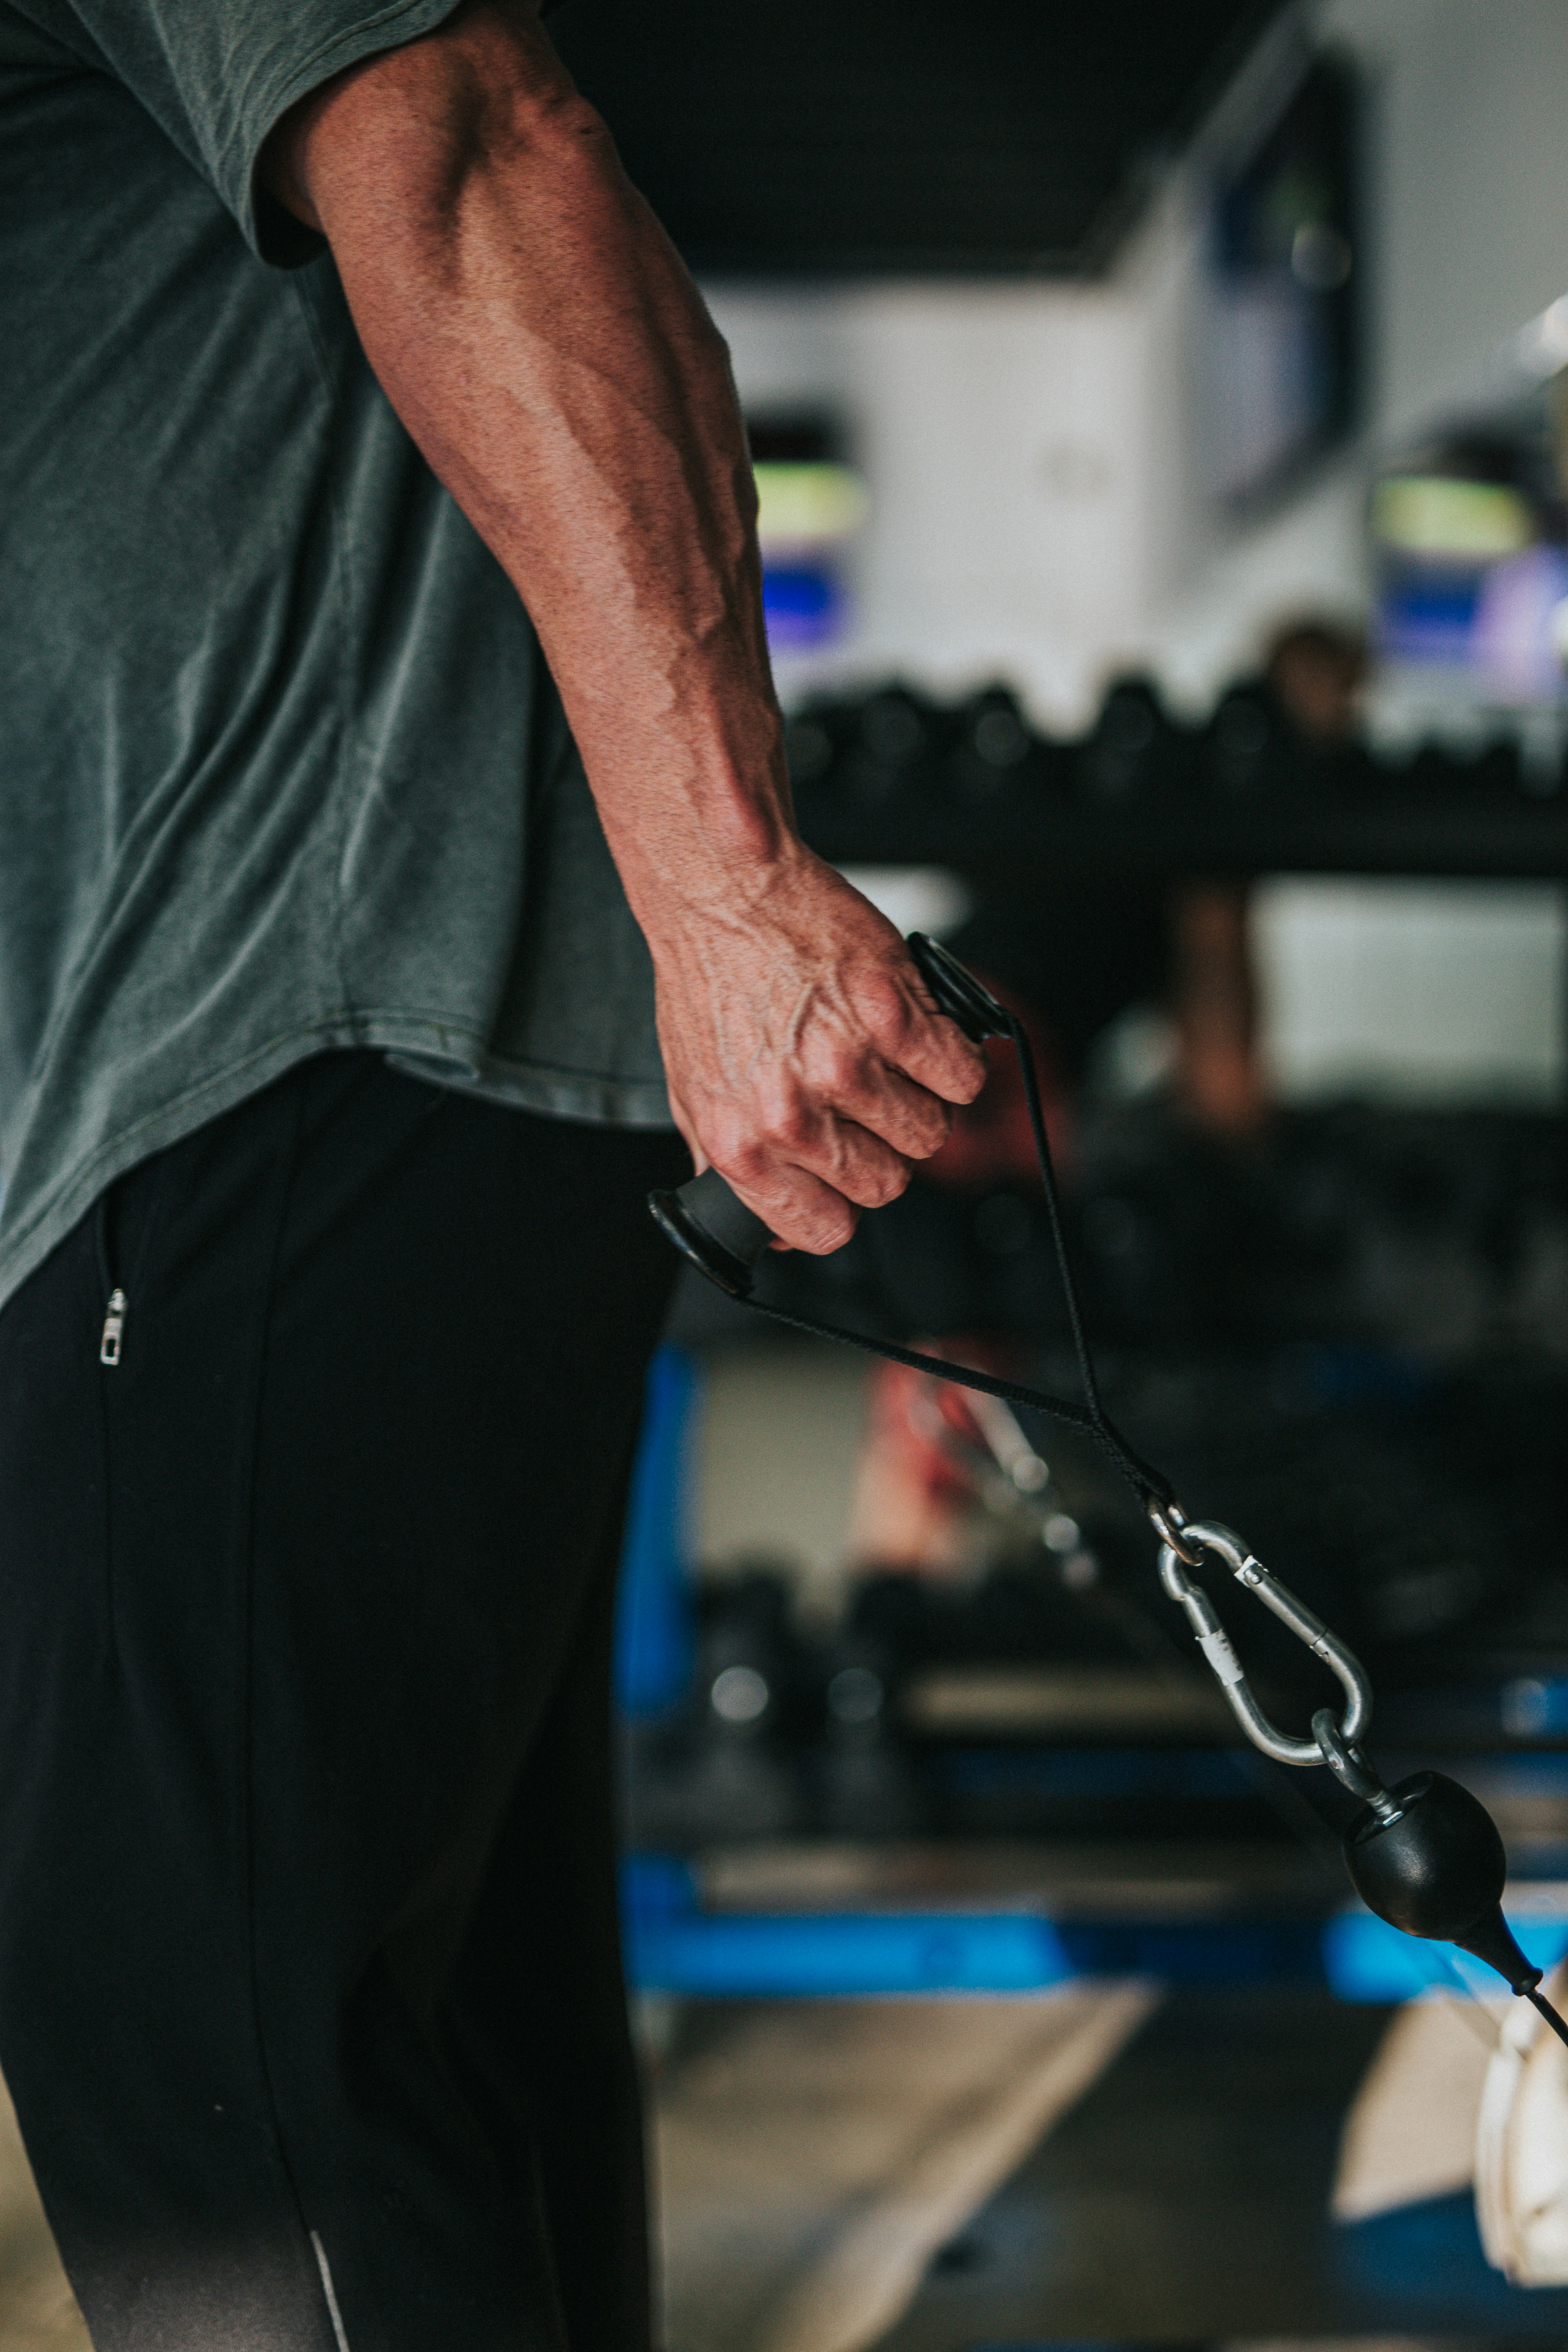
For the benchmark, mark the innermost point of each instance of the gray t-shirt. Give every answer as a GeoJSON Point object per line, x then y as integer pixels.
{"type": "Point", "coordinates": [281, 766]}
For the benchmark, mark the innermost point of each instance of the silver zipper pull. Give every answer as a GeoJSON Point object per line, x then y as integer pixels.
{"type": "Point", "coordinates": [113, 1325]}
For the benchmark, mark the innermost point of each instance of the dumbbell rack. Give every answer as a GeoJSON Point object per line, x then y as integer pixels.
{"type": "Point", "coordinates": [889, 776]}
{"type": "Point", "coordinates": [1340, 812]}
{"type": "Point", "coordinates": [1005, 847]}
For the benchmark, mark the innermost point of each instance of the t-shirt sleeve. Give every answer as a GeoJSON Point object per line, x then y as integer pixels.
{"type": "Point", "coordinates": [215, 74]}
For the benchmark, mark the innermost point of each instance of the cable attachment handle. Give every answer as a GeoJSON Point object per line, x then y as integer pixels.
{"type": "Point", "coordinates": [1183, 1545]}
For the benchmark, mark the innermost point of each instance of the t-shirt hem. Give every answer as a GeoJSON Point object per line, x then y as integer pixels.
{"type": "Point", "coordinates": [439, 1052]}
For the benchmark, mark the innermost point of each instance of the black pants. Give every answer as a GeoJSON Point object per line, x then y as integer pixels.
{"type": "Point", "coordinates": [311, 1999]}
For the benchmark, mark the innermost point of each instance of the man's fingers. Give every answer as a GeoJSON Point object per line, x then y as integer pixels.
{"type": "Point", "coordinates": [909, 1117]}
{"type": "Point", "coordinates": [812, 1216]}
{"type": "Point", "coordinates": [941, 1058]}
{"type": "Point", "coordinates": [841, 1136]}
{"type": "Point", "coordinates": [801, 1209]}
{"type": "Point", "coordinates": [960, 1073]}
{"type": "Point", "coordinates": [811, 1187]}
{"type": "Point", "coordinates": [830, 1150]}
{"type": "Point", "coordinates": [915, 1039]}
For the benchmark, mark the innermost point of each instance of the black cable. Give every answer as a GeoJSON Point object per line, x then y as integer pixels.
{"type": "Point", "coordinates": [1537, 2001]}
{"type": "Point", "coordinates": [1019, 1039]}
{"type": "Point", "coordinates": [1147, 1484]}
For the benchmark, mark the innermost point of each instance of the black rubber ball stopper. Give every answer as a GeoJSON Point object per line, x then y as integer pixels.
{"type": "Point", "coordinates": [1438, 1869]}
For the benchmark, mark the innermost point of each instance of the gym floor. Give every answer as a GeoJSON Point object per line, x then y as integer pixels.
{"type": "Point", "coordinates": [1182, 2199]}
{"type": "Point", "coordinates": [1080, 2171]}
{"type": "Point", "coordinates": [1108, 2167]}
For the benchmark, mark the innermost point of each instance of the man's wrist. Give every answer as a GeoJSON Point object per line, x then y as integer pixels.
{"type": "Point", "coordinates": [704, 881]}
{"type": "Point", "coordinates": [712, 828]}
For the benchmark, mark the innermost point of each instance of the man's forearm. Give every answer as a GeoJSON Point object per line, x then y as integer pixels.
{"type": "Point", "coordinates": [543, 344]}
{"type": "Point", "coordinates": [542, 341]}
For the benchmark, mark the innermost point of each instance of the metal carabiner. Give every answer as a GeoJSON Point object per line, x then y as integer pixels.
{"type": "Point", "coordinates": [1208, 1535]}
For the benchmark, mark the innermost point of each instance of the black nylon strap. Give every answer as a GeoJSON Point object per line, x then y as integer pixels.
{"type": "Point", "coordinates": [1148, 1483]}
{"type": "Point", "coordinates": [1090, 1416]}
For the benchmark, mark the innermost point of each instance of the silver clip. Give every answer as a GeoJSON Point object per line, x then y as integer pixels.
{"type": "Point", "coordinates": [1208, 1535]}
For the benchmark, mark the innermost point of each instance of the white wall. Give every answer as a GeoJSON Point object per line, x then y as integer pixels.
{"type": "Point", "coordinates": [1001, 432]}
{"type": "Point", "coordinates": [1469, 181]}
{"type": "Point", "coordinates": [1419, 990]}
{"type": "Point", "coordinates": [1034, 450]}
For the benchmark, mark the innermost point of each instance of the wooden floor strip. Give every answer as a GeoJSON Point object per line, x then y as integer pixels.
{"type": "Point", "coordinates": [817, 2154]}
{"type": "Point", "coordinates": [37, 2310]}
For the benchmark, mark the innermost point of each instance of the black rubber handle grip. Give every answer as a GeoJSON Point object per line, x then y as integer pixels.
{"type": "Point", "coordinates": [716, 1230]}
{"type": "Point", "coordinates": [723, 1238]}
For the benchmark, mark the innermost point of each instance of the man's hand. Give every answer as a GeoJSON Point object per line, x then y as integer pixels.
{"type": "Point", "coordinates": [543, 344]}
{"type": "Point", "coordinates": [803, 1056]}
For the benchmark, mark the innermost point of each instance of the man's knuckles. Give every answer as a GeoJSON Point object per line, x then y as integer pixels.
{"type": "Point", "coordinates": [949, 1066]}
{"type": "Point", "coordinates": [789, 1122]}
{"type": "Point", "coordinates": [914, 1037]}
{"type": "Point", "coordinates": [842, 1072]}
{"type": "Point", "coordinates": [806, 1212]}
{"type": "Point", "coordinates": [878, 1186]}
{"type": "Point", "coordinates": [819, 1232]}
{"type": "Point", "coordinates": [969, 1072]}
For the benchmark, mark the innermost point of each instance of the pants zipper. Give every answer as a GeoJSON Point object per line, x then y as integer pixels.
{"type": "Point", "coordinates": [114, 1326]}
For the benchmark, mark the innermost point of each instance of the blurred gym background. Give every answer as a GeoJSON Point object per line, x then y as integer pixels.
{"type": "Point", "coordinates": [1161, 434]}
